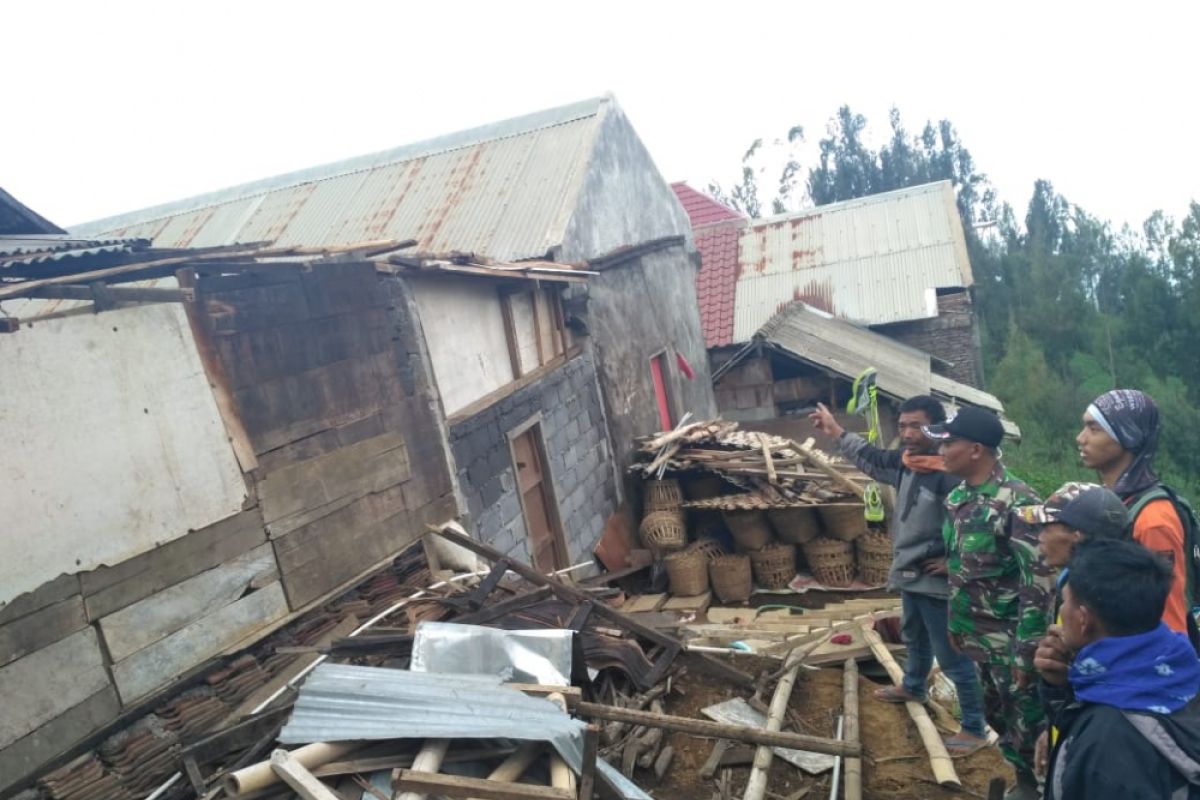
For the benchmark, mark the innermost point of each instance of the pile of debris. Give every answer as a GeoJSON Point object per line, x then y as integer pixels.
{"type": "Point", "coordinates": [738, 511]}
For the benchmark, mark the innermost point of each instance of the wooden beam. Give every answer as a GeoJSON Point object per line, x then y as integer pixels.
{"type": "Point", "coordinates": [716, 730]}
{"type": "Point", "coordinates": [296, 776]}
{"type": "Point", "coordinates": [457, 786]}
{"type": "Point", "coordinates": [122, 294]}
{"type": "Point", "coordinates": [756, 786]}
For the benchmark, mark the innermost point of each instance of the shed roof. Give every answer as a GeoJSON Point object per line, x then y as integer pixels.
{"type": "Point", "coordinates": [506, 189]}
{"type": "Point", "coordinates": [832, 344]}
{"type": "Point", "coordinates": [837, 346]}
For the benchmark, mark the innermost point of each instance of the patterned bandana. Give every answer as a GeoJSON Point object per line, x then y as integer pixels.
{"type": "Point", "coordinates": [1154, 671]}
{"type": "Point", "coordinates": [1130, 417]}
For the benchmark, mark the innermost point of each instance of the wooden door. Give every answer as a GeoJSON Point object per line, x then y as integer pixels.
{"type": "Point", "coordinates": [541, 519]}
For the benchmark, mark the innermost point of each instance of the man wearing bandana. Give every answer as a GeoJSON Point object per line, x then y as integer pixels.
{"type": "Point", "coordinates": [1118, 440]}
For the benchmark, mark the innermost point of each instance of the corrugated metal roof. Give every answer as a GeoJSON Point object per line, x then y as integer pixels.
{"type": "Point", "coordinates": [873, 260]}
{"type": "Point", "coordinates": [846, 349]}
{"type": "Point", "coordinates": [506, 190]}
{"type": "Point", "coordinates": [901, 371]}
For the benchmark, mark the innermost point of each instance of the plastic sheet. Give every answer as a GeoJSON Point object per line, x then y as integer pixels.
{"type": "Point", "coordinates": [529, 656]}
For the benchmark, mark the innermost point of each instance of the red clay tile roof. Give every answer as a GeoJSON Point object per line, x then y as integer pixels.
{"type": "Point", "coordinates": [701, 209]}
{"type": "Point", "coordinates": [716, 283]}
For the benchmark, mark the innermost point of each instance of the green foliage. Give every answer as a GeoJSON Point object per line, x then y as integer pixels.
{"type": "Point", "coordinates": [1068, 307]}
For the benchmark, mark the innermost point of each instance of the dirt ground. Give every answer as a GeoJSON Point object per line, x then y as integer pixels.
{"type": "Point", "coordinates": [895, 766]}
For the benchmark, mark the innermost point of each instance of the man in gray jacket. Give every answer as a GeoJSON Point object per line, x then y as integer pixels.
{"type": "Point", "coordinates": [919, 557]}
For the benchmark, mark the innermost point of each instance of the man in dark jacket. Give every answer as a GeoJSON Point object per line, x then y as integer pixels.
{"type": "Point", "coordinates": [918, 569]}
{"type": "Point", "coordinates": [1133, 729]}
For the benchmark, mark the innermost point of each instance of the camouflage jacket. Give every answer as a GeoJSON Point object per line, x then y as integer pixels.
{"type": "Point", "coordinates": [1000, 587]}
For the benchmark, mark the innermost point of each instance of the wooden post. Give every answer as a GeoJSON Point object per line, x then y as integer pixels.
{"type": "Point", "coordinates": [716, 730]}
{"type": "Point", "coordinates": [756, 787]}
{"type": "Point", "coordinates": [850, 733]}
{"type": "Point", "coordinates": [587, 776]}
{"type": "Point", "coordinates": [939, 759]}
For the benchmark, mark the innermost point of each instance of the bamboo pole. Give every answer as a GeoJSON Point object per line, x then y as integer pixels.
{"type": "Point", "coordinates": [261, 775]}
{"type": "Point", "coordinates": [853, 772]}
{"type": "Point", "coordinates": [806, 450]}
{"type": "Point", "coordinates": [756, 787]}
{"type": "Point", "coordinates": [939, 759]}
{"type": "Point", "coordinates": [429, 760]}
{"type": "Point", "coordinates": [561, 776]}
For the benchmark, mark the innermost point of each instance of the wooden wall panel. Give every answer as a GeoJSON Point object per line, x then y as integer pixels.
{"type": "Point", "coordinates": [41, 628]}
{"type": "Point", "coordinates": [45, 684]}
{"type": "Point", "coordinates": [159, 664]}
{"type": "Point", "coordinates": [108, 589]}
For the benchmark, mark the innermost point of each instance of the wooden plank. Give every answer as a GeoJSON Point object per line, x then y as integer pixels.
{"type": "Point", "coordinates": [41, 628]}
{"type": "Point", "coordinates": [24, 757]}
{"type": "Point", "coordinates": [251, 357]}
{"type": "Point", "coordinates": [158, 664]}
{"type": "Point", "coordinates": [332, 549]}
{"type": "Point", "coordinates": [202, 336]}
{"type": "Point", "coordinates": [108, 589]}
{"type": "Point", "coordinates": [49, 593]}
{"type": "Point", "coordinates": [300, 779]}
{"type": "Point", "coordinates": [294, 496]}
{"type": "Point", "coordinates": [716, 730]}
{"type": "Point", "coordinates": [457, 786]}
{"type": "Point", "coordinates": [249, 308]}
{"type": "Point", "coordinates": [342, 288]}
{"type": "Point", "coordinates": [45, 684]}
{"type": "Point", "coordinates": [279, 412]}
{"type": "Point", "coordinates": [238, 736]}
{"type": "Point", "coordinates": [697, 603]}
{"type": "Point", "coordinates": [146, 621]}
{"type": "Point", "coordinates": [644, 602]}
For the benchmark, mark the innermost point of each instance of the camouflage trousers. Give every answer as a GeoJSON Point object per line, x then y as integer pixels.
{"type": "Point", "coordinates": [1015, 714]}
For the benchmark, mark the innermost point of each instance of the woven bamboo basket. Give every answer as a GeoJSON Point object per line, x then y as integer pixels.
{"type": "Point", "coordinates": [663, 531]}
{"type": "Point", "coordinates": [874, 557]}
{"type": "Point", "coordinates": [688, 572]}
{"type": "Point", "coordinates": [730, 577]}
{"type": "Point", "coordinates": [795, 525]}
{"type": "Point", "coordinates": [843, 521]}
{"type": "Point", "coordinates": [662, 495]}
{"type": "Point", "coordinates": [831, 561]}
{"type": "Point", "coordinates": [707, 547]}
{"type": "Point", "coordinates": [704, 523]}
{"type": "Point", "coordinates": [774, 565]}
{"type": "Point", "coordinates": [749, 528]}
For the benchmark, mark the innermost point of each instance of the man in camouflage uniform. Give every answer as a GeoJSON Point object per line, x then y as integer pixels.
{"type": "Point", "coordinates": [1000, 587]}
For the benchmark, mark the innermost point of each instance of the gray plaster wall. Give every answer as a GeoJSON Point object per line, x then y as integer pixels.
{"type": "Point", "coordinates": [579, 461]}
{"type": "Point", "coordinates": [623, 199]}
{"type": "Point", "coordinates": [635, 310]}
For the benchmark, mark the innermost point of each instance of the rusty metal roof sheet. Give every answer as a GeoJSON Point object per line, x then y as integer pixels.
{"type": "Point", "coordinates": [505, 189]}
{"type": "Point", "coordinates": [873, 260]}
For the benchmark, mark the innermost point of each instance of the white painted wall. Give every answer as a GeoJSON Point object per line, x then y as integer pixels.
{"type": "Point", "coordinates": [464, 331]}
{"type": "Point", "coordinates": [110, 443]}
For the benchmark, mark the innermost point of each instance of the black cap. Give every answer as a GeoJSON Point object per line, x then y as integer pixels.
{"type": "Point", "coordinates": [1086, 507]}
{"type": "Point", "coordinates": [973, 424]}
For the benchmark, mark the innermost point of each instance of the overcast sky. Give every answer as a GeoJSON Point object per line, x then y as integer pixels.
{"type": "Point", "coordinates": [114, 106]}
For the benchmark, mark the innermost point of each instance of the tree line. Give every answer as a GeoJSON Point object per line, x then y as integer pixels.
{"type": "Point", "coordinates": [1069, 305]}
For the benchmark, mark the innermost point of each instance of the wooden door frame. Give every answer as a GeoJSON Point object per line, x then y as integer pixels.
{"type": "Point", "coordinates": [559, 536]}
{"type": "Point", "coordinates": [668, 390]}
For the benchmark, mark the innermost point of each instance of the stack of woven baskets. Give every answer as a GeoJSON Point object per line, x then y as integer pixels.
{"type": "Point", "coordinates": [663, 529]}
{"type": "Point", "coordinates": [770, 559]}
{"type": "Point", "coordinates": [830, 554]}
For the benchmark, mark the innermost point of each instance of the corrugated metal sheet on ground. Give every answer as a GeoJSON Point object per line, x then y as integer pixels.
{"type": "Point", "coordinates": [342, 703]}
{"type": "Point", "coordinates": [873, 260]}
{"type": "Point", "coordinates": [505, 190]}
{"type": "Point", "coordinates": [847, 350]}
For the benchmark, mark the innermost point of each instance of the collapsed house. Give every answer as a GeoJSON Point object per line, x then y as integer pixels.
{"type": "Point", "coordinates": [224, 413]}
{"type": "Point", "coordinates": [794, 307]}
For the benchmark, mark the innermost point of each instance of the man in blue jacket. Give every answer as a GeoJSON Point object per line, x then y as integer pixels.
{"type": "Point", "coordinates": [919, 557]}
{"type": "Point", "coordinates": [1132, 730]}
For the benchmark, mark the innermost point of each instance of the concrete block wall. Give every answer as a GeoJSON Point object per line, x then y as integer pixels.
{"type": "Point", "coordinates": [579, 463]}
{"type": "Point", "coordinates": [951, 336]}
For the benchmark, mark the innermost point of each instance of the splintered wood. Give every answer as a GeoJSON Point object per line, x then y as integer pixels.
{"type": "Point", "coordinates": [773, 472]}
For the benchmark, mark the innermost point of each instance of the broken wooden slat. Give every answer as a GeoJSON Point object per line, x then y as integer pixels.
{"type": "Point", "coordinates": [41, 628]}
{"type": "Point", "coordinates": [698, 727]}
